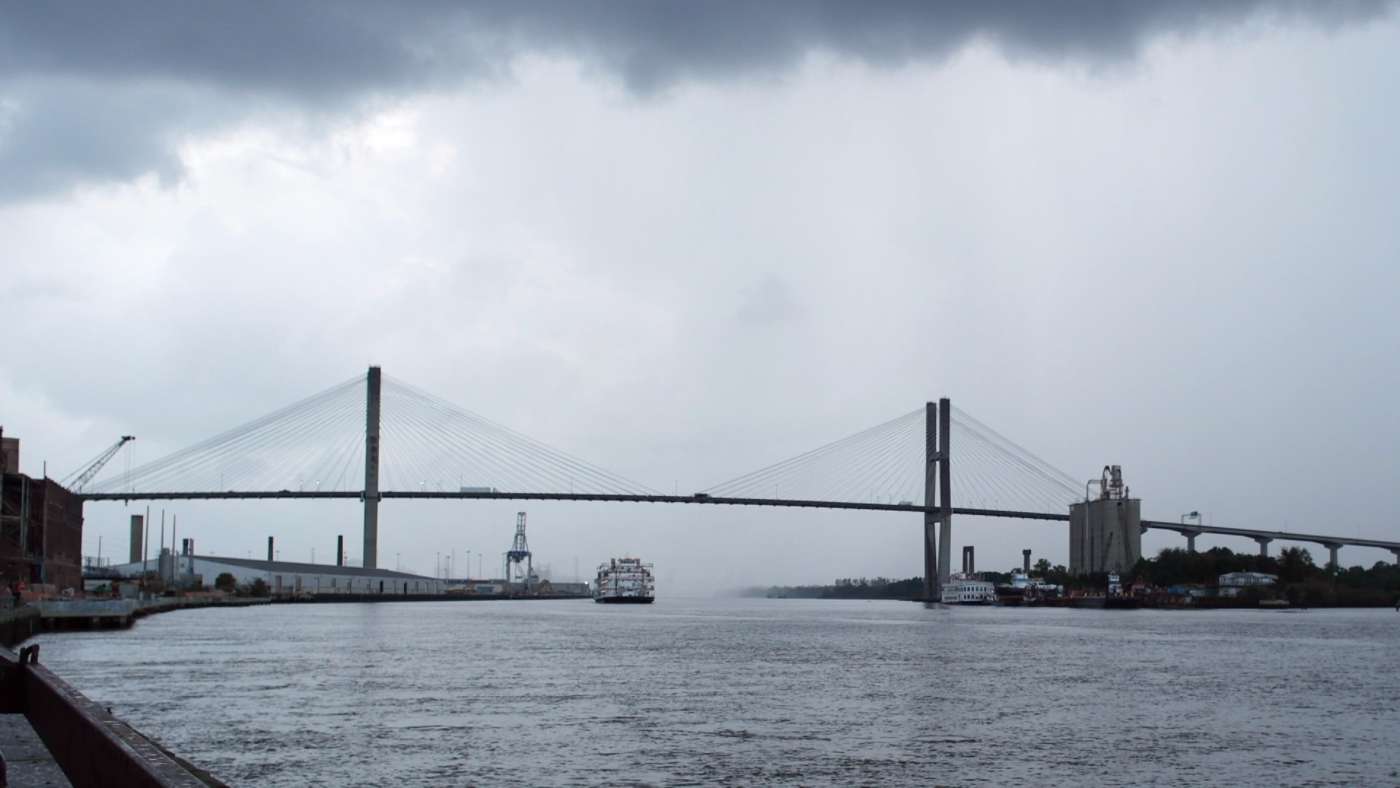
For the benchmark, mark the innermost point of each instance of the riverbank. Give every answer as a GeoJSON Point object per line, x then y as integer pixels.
{"type": "Point", "coordinates": [55, 615]}
{"type": "Point", "coordinates": [51, 615]}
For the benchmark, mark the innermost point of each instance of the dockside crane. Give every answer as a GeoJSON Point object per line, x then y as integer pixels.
{"type": "Point", "coordinates": [79, 478]}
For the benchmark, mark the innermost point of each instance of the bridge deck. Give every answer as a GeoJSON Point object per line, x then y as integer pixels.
{"type": "Point", "coordinates": [703, 499]}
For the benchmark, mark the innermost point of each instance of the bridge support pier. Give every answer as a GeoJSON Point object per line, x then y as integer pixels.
{"type": "Point", "coordinates": [1396, 552]}
{"type": "Point", "coordinates": [1332, 563]}
{"type": "Point", "coordinates": [371, 494]}
{"type": "Point", "coordinates": [1191, 541]}
{"type": "Point", "coordinates": [1263, 545]}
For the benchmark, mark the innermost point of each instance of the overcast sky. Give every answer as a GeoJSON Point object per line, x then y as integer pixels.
{"type": "Point", "coordinates": [685, 241]}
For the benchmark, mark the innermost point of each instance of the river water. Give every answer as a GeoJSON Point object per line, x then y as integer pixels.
{"type": "Point", "coordinates": [755, 692]}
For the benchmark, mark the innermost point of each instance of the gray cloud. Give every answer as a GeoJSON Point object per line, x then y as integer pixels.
{"type": "Point", "coordinates": [313, 50]}
{"type": "Point", "coordinates": [102, 92]}
{"type": "Point", "coordinates": [55, 133]}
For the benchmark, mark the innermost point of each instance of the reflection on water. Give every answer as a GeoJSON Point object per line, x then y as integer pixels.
{"type": "Point", "coordinates": [755, 692]}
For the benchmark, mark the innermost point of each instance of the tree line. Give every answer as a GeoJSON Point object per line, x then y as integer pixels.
{"type": "Point", "coordinates": [1300, 579]}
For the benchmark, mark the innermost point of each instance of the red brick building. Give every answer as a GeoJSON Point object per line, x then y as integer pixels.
{"type": "Point", "coordinates": [41, 532]}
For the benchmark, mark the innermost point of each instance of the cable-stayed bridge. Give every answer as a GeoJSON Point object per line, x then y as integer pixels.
{"type": "Point", "coordinates": [375, 438]}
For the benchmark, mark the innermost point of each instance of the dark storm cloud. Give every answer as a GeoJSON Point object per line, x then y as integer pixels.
{"type": "Point", "coordinates": [102, 91]}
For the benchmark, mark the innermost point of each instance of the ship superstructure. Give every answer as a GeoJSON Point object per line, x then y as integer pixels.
{"type": "Point", "coordinates": [965, 590]}
{"type": "Point", "coordinates": [624, 580]}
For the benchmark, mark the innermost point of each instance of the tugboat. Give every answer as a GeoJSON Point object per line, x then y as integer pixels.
{"type": "Point", "coordinates": [624, 581]}
{"type": "Point", "coordinates": [1118, 598]}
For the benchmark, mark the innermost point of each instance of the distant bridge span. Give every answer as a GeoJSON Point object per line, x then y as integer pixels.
{"type": "Point", "coordinates": [329, 439]}
{"type": "Point", "coordinates": [538, 496]}
{"type": "Point", "coordinates": [1264, 537]}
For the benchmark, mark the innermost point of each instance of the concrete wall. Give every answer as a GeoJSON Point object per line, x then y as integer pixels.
{"type": "Point", "coordinates": [1105, 535]}
{"type": "Point", "coordinates": [88, 743]}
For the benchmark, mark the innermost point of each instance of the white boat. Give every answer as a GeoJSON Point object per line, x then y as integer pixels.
{"type": "Point", "coordinates": [967, 591]}
{"type": "Point", "coordinates": [624, 580]}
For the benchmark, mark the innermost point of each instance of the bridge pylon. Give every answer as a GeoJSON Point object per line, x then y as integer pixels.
{"type": "Point", "coordinates": [930, 485]}
{"type": "Point", "coordinates": [371, 491]}
{"type": "Point", "coordinates": [938, 478]}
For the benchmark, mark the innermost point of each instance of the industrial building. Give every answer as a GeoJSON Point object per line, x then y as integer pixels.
{"type": "Point", "coordinates": [1105, 534]}
{"type": "Point", "coordinates": [41, 527]}
{"type": "Point", "coordinates": [283, 578]}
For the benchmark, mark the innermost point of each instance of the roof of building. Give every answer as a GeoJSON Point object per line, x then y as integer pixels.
{"type": "Point", "coordinates": [295, 567]}
{"type": "Point", "coordinates": [309, 569]}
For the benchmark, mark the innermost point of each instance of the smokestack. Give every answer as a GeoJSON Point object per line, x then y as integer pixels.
{"type": "Point", "coordinates": [269, 549]}
{"type": "Point", "coordinates": [1026, 561]}
{"type": "Point", "coordinates": [340, 550]}
{"type": "Point", "coordinates": [137, 523]}
{"type": "Point", "coordinates": [969, 564]}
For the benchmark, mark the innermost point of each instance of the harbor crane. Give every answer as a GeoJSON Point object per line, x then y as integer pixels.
{"type": "Point", "coordinates": [519, 551]}
{"type": "Point", "coordinates": [79, 478]}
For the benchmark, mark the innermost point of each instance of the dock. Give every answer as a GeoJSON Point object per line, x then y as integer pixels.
{"type": "Point", "coordinates": [49, 729]}
{"type": "Point", "coordinates": [48, 615]}
{"type": "Point", "coordinates": [28, 763]}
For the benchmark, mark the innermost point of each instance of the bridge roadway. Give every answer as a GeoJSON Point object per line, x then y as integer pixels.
{"type": "Point", "coordinates": [1188, 530]}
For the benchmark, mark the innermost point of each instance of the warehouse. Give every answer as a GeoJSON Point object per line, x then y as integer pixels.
{"type": "Point", "coordinates": [283, 578]}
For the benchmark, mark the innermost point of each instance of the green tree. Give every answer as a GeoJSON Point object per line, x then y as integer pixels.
{"type": "Point", "coordinates": [1042, 567]}
{"type": "Point", "coordinates": [259, 587]}
{"type": "Point", "coordinates": [1295, 564]}
{"type": "Point", "coordinates": [226, 582]}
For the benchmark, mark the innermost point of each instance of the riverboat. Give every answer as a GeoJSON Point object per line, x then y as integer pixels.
{"type": "Point", "coordinates": [966, 591]}
{"type": "Point", "coordinates": [624, 581]}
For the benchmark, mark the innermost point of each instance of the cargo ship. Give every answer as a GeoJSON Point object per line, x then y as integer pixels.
{"type": "Point", "coordinates": [624, 581]}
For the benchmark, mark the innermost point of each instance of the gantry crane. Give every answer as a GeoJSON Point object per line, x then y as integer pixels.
{"type": "Point", "coordinates": [519, 551]}
{"type": "Point", "coordinates": [79, 478]}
